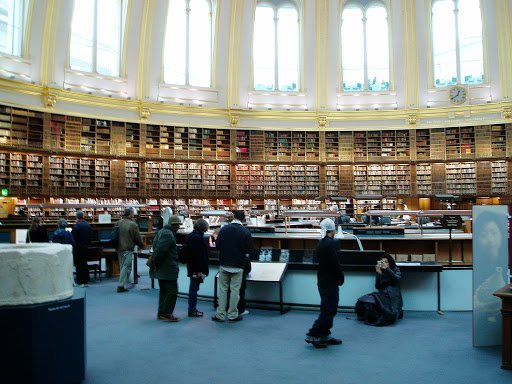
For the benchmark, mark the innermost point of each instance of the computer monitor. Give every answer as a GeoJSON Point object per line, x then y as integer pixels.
{"type": "Point", "coordinates": [143, 224]}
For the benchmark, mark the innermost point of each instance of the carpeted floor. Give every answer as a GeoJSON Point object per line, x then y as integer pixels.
{"type": "Point", "coordinates": [126, 344]}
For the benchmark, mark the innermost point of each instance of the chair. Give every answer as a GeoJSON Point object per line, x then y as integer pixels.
{"type": "Point", "coordinates": [94, 256]}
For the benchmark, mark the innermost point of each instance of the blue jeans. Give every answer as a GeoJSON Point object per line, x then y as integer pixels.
{"type": "Point", "coordinates": [192, 294]}
{"type": "Point", "coordinates": [328, 309]}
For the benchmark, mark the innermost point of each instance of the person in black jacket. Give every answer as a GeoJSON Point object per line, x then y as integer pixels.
{"type": "Point", "coordinates": [37, 233]}
{"type": "Point", "coordinates": [234, 244]}
{"type": "Point", "coordinates": [82, 233]}
{"type": "Point", "coordinates": [330, 278]}
{"type": "Point", "coordinates": [197, 266]}
{"type": "Point", "coordinates": [383, 307]}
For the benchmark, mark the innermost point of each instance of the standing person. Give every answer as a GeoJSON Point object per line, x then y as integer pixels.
{"type": "Point", "coordinates": [129, 237]}
{"type": "Point", "coordinates": [241, 302]}
{"type": "Point", "coordinates": [330, 277]}
{"type": "Point", "coordinates": [165, 259]}
{"type": "Point", "coordinates": [197, 266]}
{"type": "Point", "coordinates": [82, 233]}
{"type": "Point", "coordinates": [234, 243]}
{"type": "Point", "coordinates": [37, 233]}
{"type": "Point", "coordinates": [62, 236]}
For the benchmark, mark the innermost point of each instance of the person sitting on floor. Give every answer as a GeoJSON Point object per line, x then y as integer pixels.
{"type": "Point", "coordinates": [383, 307]}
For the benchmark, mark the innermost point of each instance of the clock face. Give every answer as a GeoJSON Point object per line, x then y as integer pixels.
{"type": "Point", "coordinates": [458, 94]}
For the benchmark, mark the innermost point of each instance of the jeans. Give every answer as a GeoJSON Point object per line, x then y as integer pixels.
{"type": "Point", "coordinates": [192, 294]}
{"type": "Point", "coordinates": [125, 266]}
{"type": "Point", "coordinates": [231, 280]}
{"type": "Point", "coordinates": [328, 309]}
{"type": "Point", "coordinates": [168, 296]}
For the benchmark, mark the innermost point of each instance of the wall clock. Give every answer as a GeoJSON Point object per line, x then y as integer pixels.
{"type": "Point", "coordinates": [458, 94]}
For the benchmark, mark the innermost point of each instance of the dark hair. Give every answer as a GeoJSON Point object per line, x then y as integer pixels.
{"type": "Point", "coordinates": [36, 222]}
{"type": "Point", "coordinates": [201, 225]}
{"type": "Point", "coordinates": [62, 223]}
{"type": "Point", "coordinates": [239, 215]}
{"type": "Point", "coordinates": [80, 214]}
{"type": "Point", "coordinates": [128, 211]}
{"type": "Point", "coordinates": [391, 261]}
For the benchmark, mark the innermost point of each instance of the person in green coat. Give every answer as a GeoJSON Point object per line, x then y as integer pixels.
{"type": "Point", "coordinates": [165, 259]}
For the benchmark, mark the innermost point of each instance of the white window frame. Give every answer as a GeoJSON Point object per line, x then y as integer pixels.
{"type": "Point", "coordinates": [457, 50]}
{"type": "Point", "coordinates": [276, 5]}
{"type": "Point", "coordinates": [212, 5]}
{"type": "Point", "coordinates": [364, 5]}
{"type": "Point", "coordinates": [122, 15]}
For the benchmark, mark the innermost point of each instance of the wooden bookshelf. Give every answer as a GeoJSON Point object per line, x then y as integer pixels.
{"type": "Point", "coordinates": [499, 179]}
{"type": "Point", "coordinates": [332, 180]}
{"type": "Point", "coordinates": [424, 179]}
{"type": "Point", "coordinates": [461, 178]}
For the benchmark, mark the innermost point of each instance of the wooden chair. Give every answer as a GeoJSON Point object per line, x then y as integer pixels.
{"type": "Point", "coordinates": [94, 256]}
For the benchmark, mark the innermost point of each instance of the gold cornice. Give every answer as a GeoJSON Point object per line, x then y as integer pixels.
{"type": "Point", "coordinates": [104, 103]}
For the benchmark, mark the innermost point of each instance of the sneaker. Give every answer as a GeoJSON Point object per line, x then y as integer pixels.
{"type": "Point", "coordinates": [246, 312]}
{"type": "Point", "coordinates": [215, 318]}
{"type": "Point", "coordinates": [168, 318]}
{"type": "Point", "coordinates": [317, 342]}
{"type": "Point", "coordinates": [239, 318]}
{"type": "Point", "coordinates": [121, 289]}
{"type": "Point", "coordinates": [195, 314]}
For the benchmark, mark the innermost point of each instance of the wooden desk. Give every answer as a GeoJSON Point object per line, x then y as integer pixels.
{"type": "Point", "coordinates": [505, 294]}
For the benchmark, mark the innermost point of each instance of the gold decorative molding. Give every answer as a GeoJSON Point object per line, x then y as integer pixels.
{"type": "Point", "coordinates": [144, 112]}
{"type": "Point", "coordinates": [412, 119]}
{"type": "Point", "coordinates": [507, 113]}
{"type": "Point", "coordinates": [234, 120]}
{"type": "Point", "coordinates": [322, 122]}
{"type": "Point", "coordinates": [49, 98]}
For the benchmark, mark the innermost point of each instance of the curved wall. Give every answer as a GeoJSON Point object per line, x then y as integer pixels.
{"type": "Point", "coordinates": [42, 80]}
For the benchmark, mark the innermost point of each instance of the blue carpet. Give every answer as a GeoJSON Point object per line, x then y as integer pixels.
{"type": "Point", "coordinates": [126, 344]}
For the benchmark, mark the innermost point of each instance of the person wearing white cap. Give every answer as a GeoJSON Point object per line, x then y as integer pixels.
{"type": "Point", "coordinates": [330, 278]}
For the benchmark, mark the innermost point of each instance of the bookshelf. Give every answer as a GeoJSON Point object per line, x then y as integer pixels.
{"type": "Point", "coordinates": [498, 140]}
{"type": "Point", "coordinates": [132, 178]}
{"type": "Point", "coordinates": [243, 179]}
{"type": "Point", "coordinates": [423, 179]}
{"type": "Point", "coordinates": [332, 180]}
{"type": "Point", "coordinates": [499, 180]}
{"type": "Point", "coordinates": [423, 144]}
{"type": "Point", "coordinates": [21, 128]}
{"type": "Point", "coordinates": [460, 142]}
{"type": "Point", "coordinates": [5, 172]}
{"type": "Point", "coordinates": [461, 178]}
{"type": "Point", "coordinates": [332, 146]}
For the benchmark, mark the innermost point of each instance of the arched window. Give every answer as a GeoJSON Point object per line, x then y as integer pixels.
{"type": "Point", "coordinates": [13, 15]}
{"type": "Point", "coordinates": [364, 47]}
{"type": "Point", "coordinates": [96, 36]}
{"type": "Point", "coordinates": [457, 42]}
{"type": "Point", "coordinates": [189, 42]}
{"type": "Point", "coordinates": [276, 46]}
